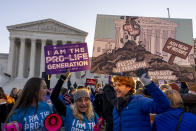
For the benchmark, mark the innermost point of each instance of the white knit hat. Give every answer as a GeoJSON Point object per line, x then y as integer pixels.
{"type": "Point", "coordinates": [80, 93]}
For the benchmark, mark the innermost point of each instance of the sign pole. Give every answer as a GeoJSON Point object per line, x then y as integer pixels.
{"type": "Point", "coordinates": [171, 59]}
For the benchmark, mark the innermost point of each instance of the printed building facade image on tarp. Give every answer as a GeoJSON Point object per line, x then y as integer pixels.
{"type": "Point", "coordinates": [122, 44]}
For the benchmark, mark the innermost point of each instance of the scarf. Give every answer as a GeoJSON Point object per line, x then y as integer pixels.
{"type": "Point", "coordinates": [123, 101]}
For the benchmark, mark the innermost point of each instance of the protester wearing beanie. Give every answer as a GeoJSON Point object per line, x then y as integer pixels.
{"type": "Point", "coordinates": [81, 116]}
{"type": "Point", "coordinates": [132, 112]}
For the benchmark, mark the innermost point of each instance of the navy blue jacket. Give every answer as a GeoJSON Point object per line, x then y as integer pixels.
{"type": "Point", "coordinates": [168, 121]}
{"type": "Point", "coordinates": [135, 116]}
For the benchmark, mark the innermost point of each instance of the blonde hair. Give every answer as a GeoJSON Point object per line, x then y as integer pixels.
{"type": "Point", "coordinates": [174, 97]}
{"type": "Point", "coordinates": [89, 113]}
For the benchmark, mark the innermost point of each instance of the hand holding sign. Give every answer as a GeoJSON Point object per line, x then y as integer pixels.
{"type": "Point", "coordinates": [66, 75]}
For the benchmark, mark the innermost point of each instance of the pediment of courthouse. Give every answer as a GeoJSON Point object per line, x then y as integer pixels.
{"type": "Point", "coordinates": [47, 26]}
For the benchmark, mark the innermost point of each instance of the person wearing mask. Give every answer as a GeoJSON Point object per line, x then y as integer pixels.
{"type": "Point", "coordinates": [132, 112]}
{"type": "Point", "coordinates": [175, 119]}
{"type": "Point", "coordinates": [81, 115]}
{"type": "Point", "coordinates": [30, 109]}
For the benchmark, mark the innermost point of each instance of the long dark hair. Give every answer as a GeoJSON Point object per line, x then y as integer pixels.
{"type": "Point", "coordinates": [29, 96]}
{"type": "Point", "coordinates": [12, 93]}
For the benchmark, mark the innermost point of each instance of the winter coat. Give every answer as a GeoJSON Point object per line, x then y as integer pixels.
{"type": "Point", "coordinates": [3, 112]}
{"type": "Point", "coordinates": [98, 104]}
{"type": "Point", "coordinates": [168, 121]}
{"type": "Point", "coordinates": [189, 101]}
{"type": "Point", "coordinates": [109, 100]}
{"type": "Point", "coordinates": [136, 115]}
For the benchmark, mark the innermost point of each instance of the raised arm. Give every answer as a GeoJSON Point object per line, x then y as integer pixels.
{"type": "Point", "coordinates": [159, 101]}
{"type": "Point", "coordinates": [58, 104]}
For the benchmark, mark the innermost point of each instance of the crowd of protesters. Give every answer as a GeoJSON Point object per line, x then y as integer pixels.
{"type": "Point", "coordinates": [123, 104]}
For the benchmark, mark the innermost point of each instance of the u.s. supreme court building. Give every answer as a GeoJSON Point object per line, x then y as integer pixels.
{"type": "Point", "coordinates": [26, 53]}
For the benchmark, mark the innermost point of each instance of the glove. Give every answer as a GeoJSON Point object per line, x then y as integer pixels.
{"type": "Point", "coordinates": [66, 75]}
{"type": "Point", "coordinates": [143, 75]}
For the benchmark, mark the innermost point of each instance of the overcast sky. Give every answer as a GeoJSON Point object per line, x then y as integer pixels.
{"type": "Point", "coordinates": [81, 14]}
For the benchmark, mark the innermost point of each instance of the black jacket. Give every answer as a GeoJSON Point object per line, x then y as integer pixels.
{"type": "Point", "coordinates": [189, 101]}
{"type": "Point", "coordinates": [109, 100]}
{"type": "Point", "coordinates": [98, 104]}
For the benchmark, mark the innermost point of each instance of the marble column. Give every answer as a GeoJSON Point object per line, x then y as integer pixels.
{"type": "Point", "coordinates": [54, 42]}
{"type": "Point", "coordinates": [161, 41]}
{"type": "Point", "coordinates": [42, 69]}
{"type": "Point", "coordinates": [21, 58]}
{"type": "Point", "coordinates": [11, 56]}
{"type": "Point", "coordinates": [32, 58]}
{"type": "Point", "coordinates": [117, 37]}
{"type": "Point", "coordinates": [153, 42]}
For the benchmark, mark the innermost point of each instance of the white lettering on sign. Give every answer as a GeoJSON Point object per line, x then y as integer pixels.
{"type": "Point", "coordinates": [162, 75]}
{"type": "Point", "coordinates": [178, 48]}
{"type": "Point", "coordinates": [129, 65]}
{"type": "Point", "coordinates": [66, 65]}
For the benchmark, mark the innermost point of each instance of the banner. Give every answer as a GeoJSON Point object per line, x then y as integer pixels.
{"type": "Point", "coordinates": [72, 56]}
{"type": "Point", "coordinates": [91, 81]}
{"type": "Point", "coordinates": [123, 44]}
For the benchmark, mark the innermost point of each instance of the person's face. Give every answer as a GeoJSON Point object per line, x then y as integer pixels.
{"type": "Point", "coordinates": [43, 91]}
{"type": "Point", "coordinates": [83, 104]}
{"type": "Point", "coordinates": [15, 91]}
{"type": "Point", "coordinates": [121, 90]}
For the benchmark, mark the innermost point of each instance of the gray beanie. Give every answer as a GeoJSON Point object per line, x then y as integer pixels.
{"type": "Point", "coordinates": [80, 93]}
